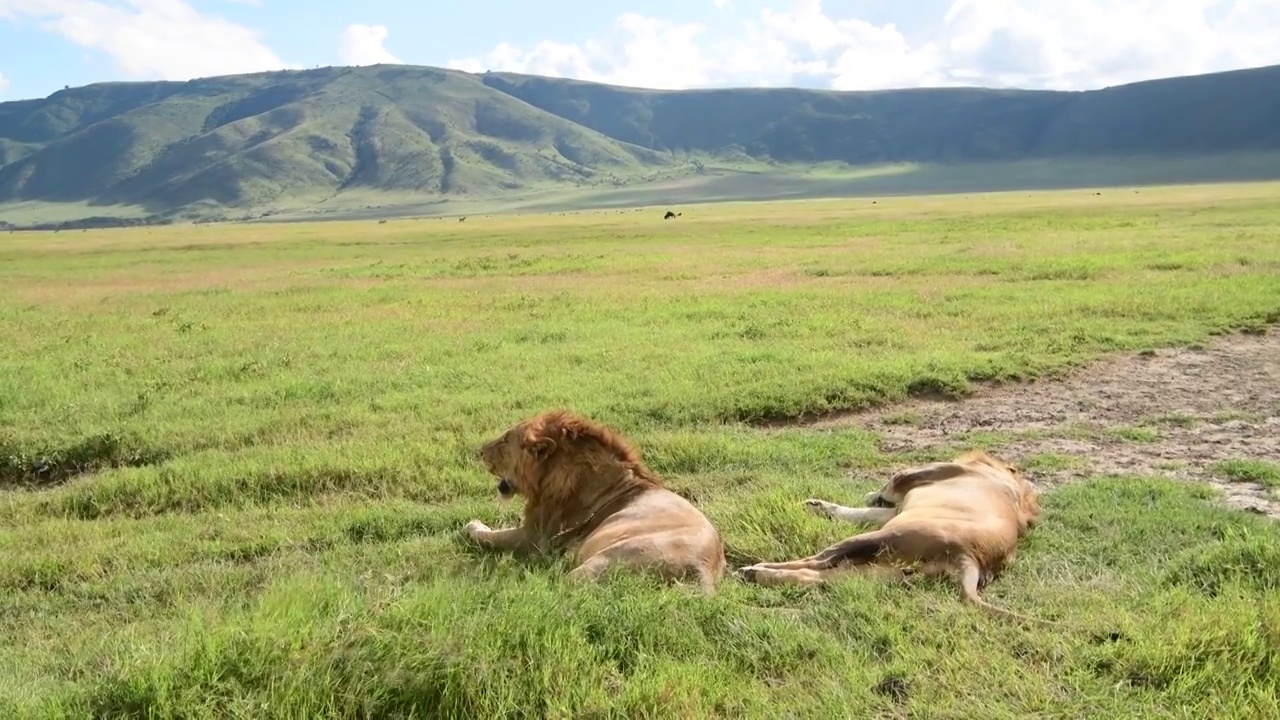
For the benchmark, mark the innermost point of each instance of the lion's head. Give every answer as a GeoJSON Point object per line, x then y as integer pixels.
{"type": "Point", "coordinates": [513, 460]}
{"type": "Point", "coordinates": [564, 465]}
{"type": "Point", "coordinates": [1028, 496]}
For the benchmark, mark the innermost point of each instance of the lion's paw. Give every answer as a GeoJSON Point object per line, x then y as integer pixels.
{"type": "Point", "coordinates": [819, 507]}
{"type": "Point", "coordinates": [475, 529]}
{"type": "Point", "coordinates": [748, 573]}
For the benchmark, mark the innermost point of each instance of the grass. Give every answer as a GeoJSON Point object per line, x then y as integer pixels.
{"type": "Point", "coordinates": [1250, 470]}
{"type": "Point", "coordinates": [1051, 462]}
{"type": "Point", "coordinates": [32, 212]}
{"type": "Point", "coordinates": [235, 461]}
{"type": "Point", "coordinates": [656, 190]}
{"type": "Point", "coordinates": [1178, 420]}
{"type": "Point", "coordinates": [743, 181]}
{"type": "Point", "coordinates": [1135, 434]}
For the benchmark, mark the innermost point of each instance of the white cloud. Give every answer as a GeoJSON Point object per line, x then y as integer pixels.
{"type": "Point", "coordinates": [363, 45]}
{"type": "Point", "coordinates": [722, 4]}
{"type": "Point", "coordinates": [4, 83]}
{"type": "Point", "coordinates": [152, 39]}
{"type": "Point", "coordinates": [1026, 43]}
{"type": "Point", "coordinates": [852, 53]}
{"type": "Point", "coordinates": [639, 51]}
{"type": "Point", "coordinates": [1108, 42]}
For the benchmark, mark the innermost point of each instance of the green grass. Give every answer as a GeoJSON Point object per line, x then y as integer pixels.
{"type": "Point", "coordinates": [1135, 434]}
{"type": "Point", "coordinates": [1050, 462]}
{"type": "Point", "coordinates": [34, 212]}
{"type": "Point", "coordinates": [1177, 420]}
{"type": "Point", "coordinates": [235, 461]}
{"type": "Point", "coordinates": [731, 181]}
{"type": "Point", "coordinates": [1250, 470]}
{"type": "Point", "coordinates": [656, 190]}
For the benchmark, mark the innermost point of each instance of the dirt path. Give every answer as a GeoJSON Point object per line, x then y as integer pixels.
{"type": "Point", "coordinates": [1173, 413]}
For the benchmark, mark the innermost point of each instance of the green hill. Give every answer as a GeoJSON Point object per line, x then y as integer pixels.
{"type": "Point", "coordinates": [1207, 114]}
{"type": "Point", "coordinates": [350, 139]}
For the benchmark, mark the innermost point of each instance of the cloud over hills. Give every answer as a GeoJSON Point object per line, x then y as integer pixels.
{"type": "Point", "coordinates": [1025, 43]}
{"type": "Point", "coordinates": [151, 39]}
{"type": "Point", "coordinates": [851, 45]}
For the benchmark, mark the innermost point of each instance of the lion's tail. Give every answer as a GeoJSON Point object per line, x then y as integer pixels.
{"type": "Point", "coordinates": [710, 575]}
{"type": "Point", "coordinates": [970, 574]}
{"type": "Point", "coordinates": [707, 580]}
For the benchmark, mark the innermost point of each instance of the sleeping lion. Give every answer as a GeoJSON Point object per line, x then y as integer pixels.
{"type": "Point", "coordinates": [587, 491]}
{"type": "Point", "coordinates": [962, 518]}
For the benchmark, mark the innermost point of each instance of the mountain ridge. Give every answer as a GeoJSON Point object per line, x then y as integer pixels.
{"type": "Point", "coordinates": [246, 144]}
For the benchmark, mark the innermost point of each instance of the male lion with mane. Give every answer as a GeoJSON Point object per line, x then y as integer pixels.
{"type": "Point", "coordinates": [586, 489]}
{"type": "Point", "coordinates": [962, 518]}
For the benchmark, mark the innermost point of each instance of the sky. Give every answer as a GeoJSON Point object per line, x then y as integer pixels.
{"type": "Point", "coordinates": [839, 44]}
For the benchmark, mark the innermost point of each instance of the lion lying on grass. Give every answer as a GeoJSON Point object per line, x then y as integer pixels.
{"type": "Point", "coordinates": [586, 489]}
{"type": "Point", "coordinates": [962, 518]}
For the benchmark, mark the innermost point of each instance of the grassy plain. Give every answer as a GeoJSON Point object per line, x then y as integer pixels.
{"type": "Point", "coordinates": [235, 460]}
{"type": "Point", "coordinates": [722, 181]}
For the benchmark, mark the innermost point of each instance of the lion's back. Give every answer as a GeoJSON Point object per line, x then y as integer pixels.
{"type": "Point", "coordinates": [665, 526]}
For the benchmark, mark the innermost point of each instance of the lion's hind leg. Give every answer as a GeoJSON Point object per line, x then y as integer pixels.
{"type": "Point", "coordinates": [848, 554]}
{"type": "Point", "coordinates": [591, 569]}
{"type": "Point", "coordinates": [780, 576]}
{"type": "Point", "coordinates": [637, 552]}
{"type": "Point", "coordinates": [643, 555]}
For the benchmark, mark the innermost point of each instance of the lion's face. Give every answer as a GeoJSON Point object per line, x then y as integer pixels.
{"type": "Point", "coordinates": [513, 458]}
{"type": "Point", "coordinates": [1027, 493]}
{"type": "Point", "coordinates": [501, 458]}
{"type": "Point", "coordinates": [1030, 499]}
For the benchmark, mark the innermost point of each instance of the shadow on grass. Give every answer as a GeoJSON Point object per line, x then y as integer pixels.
{"type": "Point", "coordinates": [47, 468]}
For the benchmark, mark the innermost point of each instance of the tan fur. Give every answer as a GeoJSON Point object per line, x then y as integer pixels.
{"type": "Point", "coordinates": [587, 491]}
{"type": "Point", "coordinates": [962, 518]}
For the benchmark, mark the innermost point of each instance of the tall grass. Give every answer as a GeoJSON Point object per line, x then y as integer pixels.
{"type": "Point", "coordinates": [235, 461]}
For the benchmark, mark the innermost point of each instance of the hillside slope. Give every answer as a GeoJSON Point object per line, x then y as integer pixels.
{"type": "Point", "coordinates": [214, 145]}
{"type": "Point", "coordinates": [251, 140]}
{"type": "Point", "coordinates": [1222, 112]}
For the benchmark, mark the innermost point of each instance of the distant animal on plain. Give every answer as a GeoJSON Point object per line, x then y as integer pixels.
{"type": "Point", "coordinates": [588, 492]}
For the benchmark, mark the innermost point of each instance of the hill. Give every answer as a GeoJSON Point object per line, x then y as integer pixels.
{"type": "Point", "coordinates": [1219, 113]}
{"type": "Point", "coordinates": [348, 139]}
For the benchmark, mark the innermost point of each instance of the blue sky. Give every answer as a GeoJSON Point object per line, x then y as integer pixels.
{"type": "Point", "coordinates": [841, 44]}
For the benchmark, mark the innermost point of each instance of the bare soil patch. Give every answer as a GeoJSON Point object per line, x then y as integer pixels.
{"type": "Point", "coordinates": [1173, 413]}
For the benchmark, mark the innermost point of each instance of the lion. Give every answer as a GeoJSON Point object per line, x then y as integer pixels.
{"type": "Point", "coordinates": [588, 492]}
{"type": "Point", "coordinates": [962, 518]}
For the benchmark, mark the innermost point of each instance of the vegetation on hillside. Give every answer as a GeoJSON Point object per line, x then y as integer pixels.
{"type": "Point", "coordinates": [251, 140]}
{"type": "Point", "coordinates": [302, 138]}
{"type": "Point", "coordinates": [1199, 115]}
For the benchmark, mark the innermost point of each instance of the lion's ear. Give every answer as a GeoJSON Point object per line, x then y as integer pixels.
{"type": "Point", "coordinates": [541, 447]}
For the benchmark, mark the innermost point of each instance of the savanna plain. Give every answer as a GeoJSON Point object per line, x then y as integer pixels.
{"type": "Point", "coordinates": [235, 460]}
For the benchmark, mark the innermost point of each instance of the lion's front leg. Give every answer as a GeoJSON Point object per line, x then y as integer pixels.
{"type": "Point", "coordinates": [876, 516]}
{"type": "Point", "coordinates": [503, 539]}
